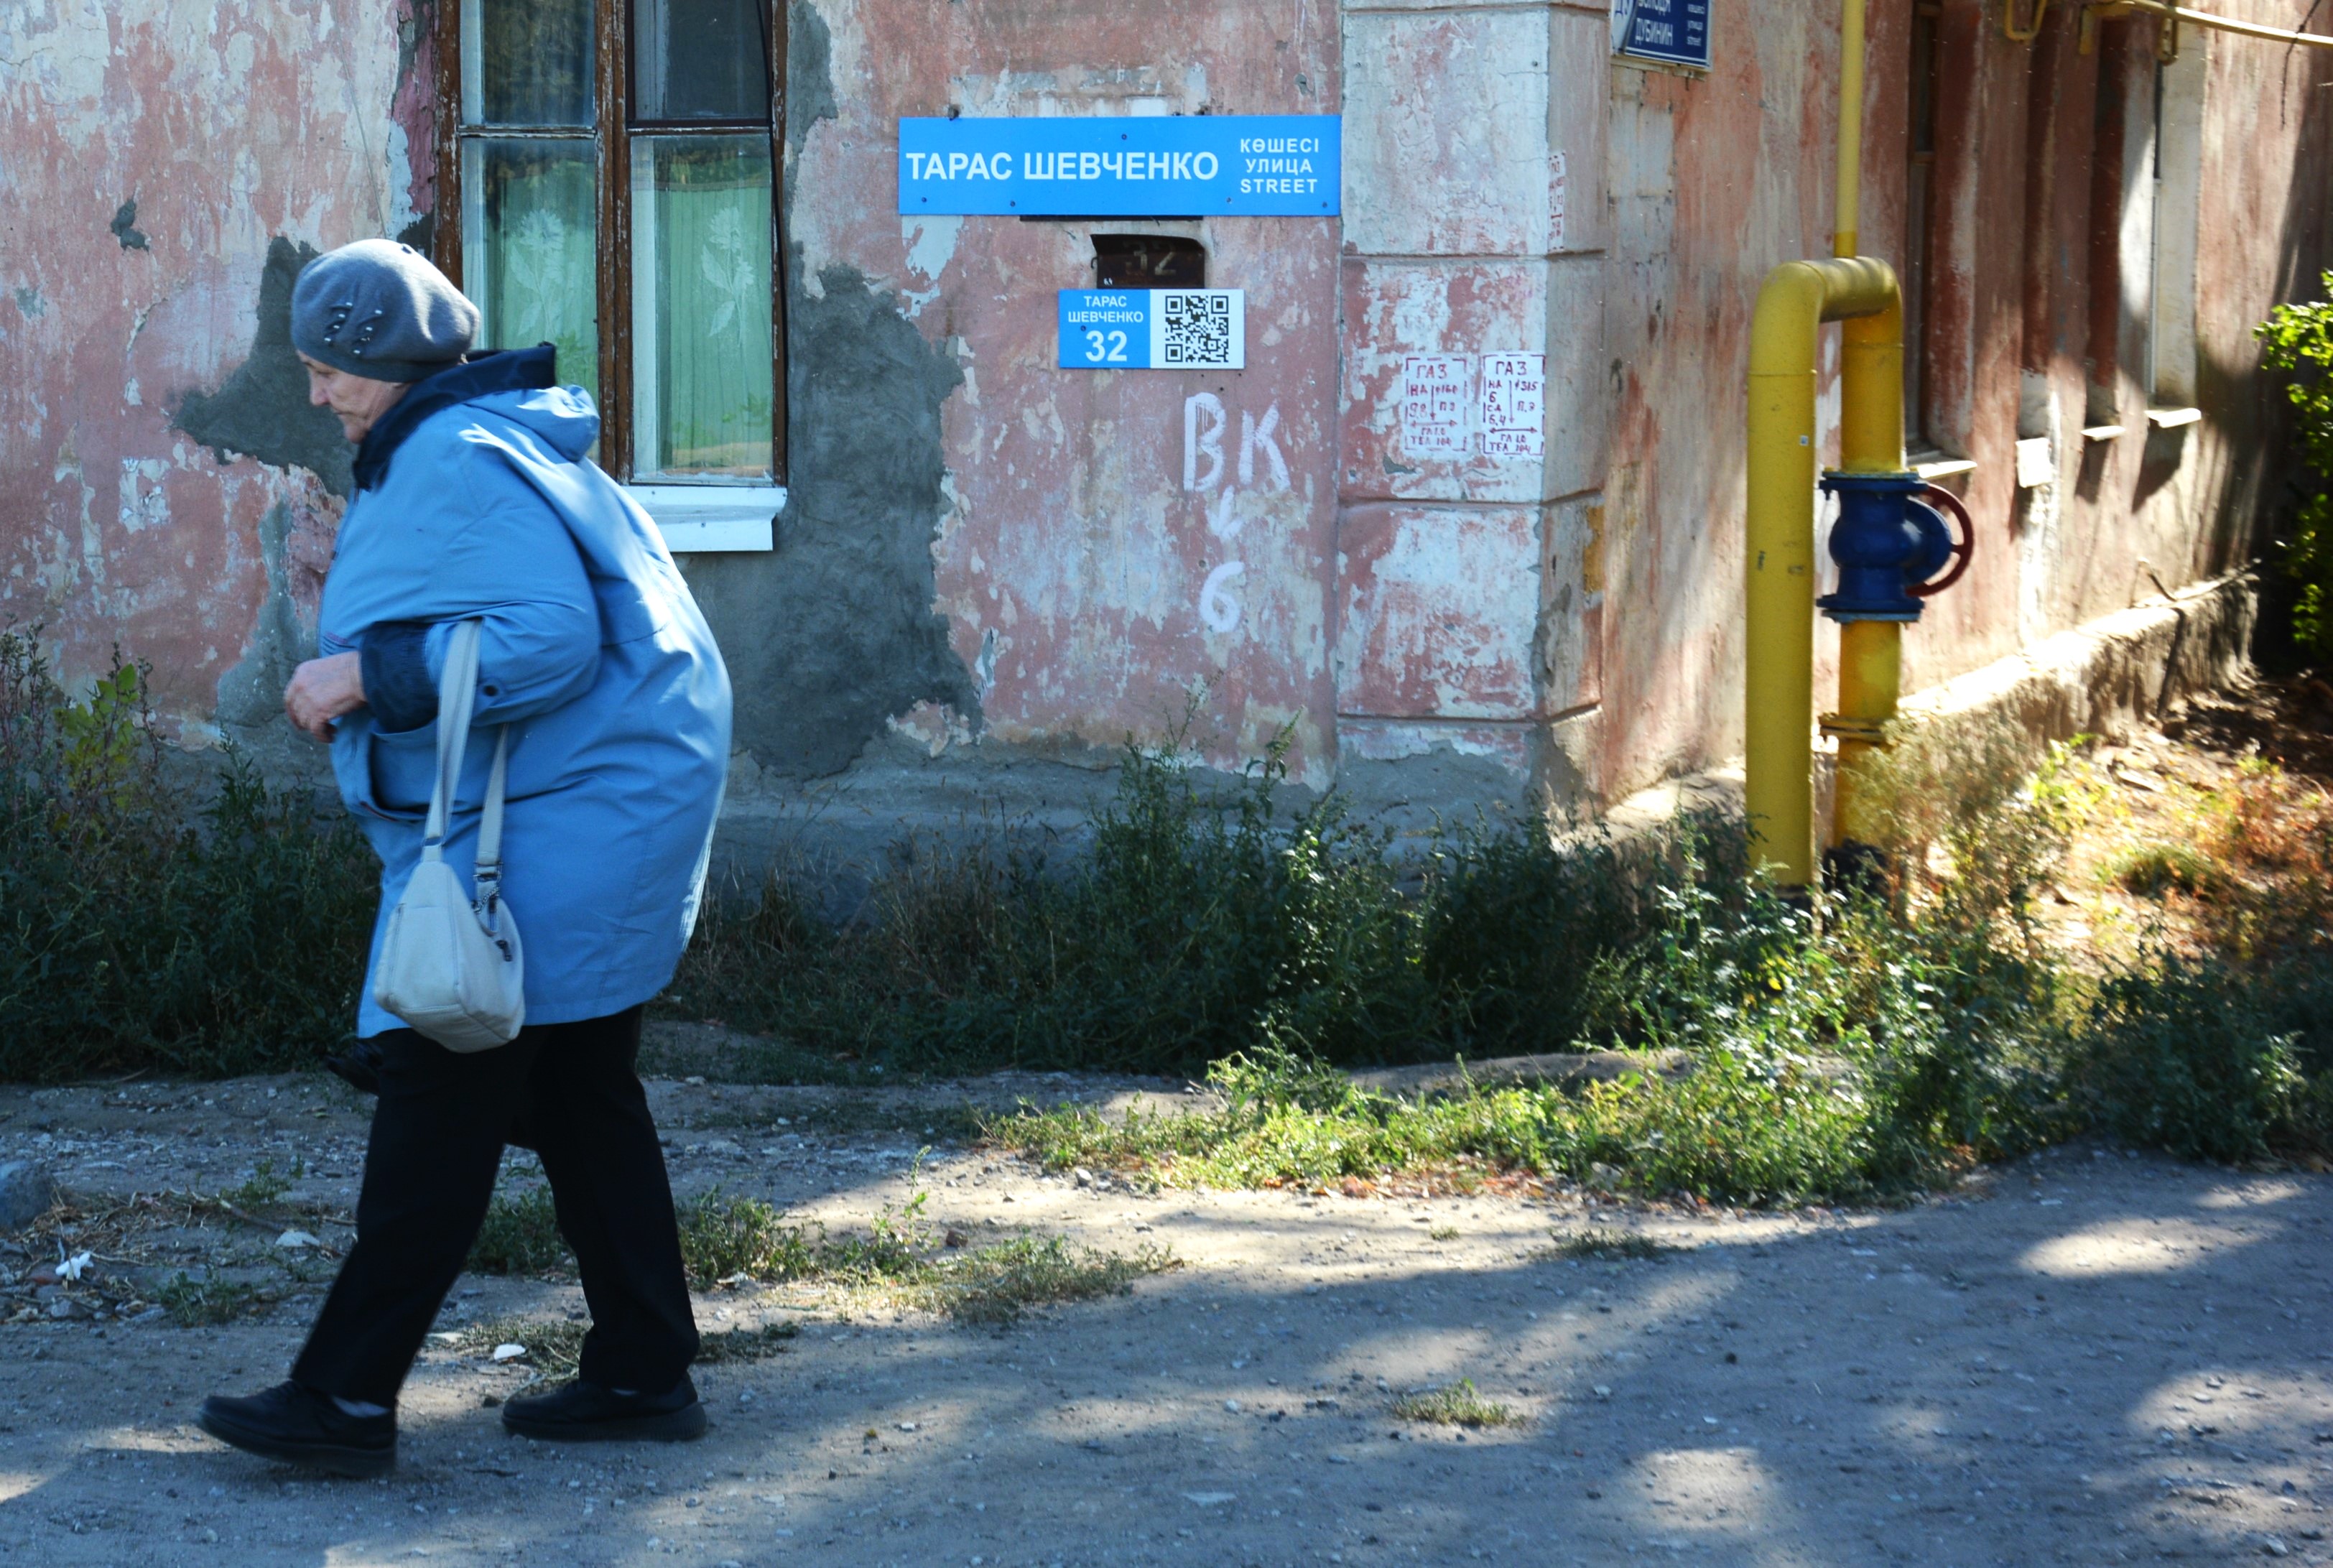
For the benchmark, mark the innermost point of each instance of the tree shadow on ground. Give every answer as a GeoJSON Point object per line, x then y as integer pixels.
{"type": "Point", "coordinates": [2101, 1360]}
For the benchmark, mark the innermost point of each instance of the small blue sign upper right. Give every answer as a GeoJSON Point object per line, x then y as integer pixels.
{"type": "Point", "coordinates": [1673, 32]}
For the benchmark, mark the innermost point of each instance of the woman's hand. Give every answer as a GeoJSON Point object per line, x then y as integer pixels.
{"type": "Point", "coordinates": [322, 689]}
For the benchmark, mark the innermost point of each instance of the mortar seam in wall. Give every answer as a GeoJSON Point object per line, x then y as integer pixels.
{"type": "Point", "coordinates": [1440, 718]}
{"type": "Point", "coordinates": [1351, 501]}
{"type": "Point", "coordinates": [1468, 258]}
{"type": "Point", "coordinates": [1431, 9]}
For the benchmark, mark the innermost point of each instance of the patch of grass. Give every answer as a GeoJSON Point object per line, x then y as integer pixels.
{"type": "Point", "coordinates": [729, 1239]}
{"type": "Point", "coordinates": [900, 1257]}
{"type": "Point", "coordinates": [1443, 1233]}
{"type": "Point", "coordinates": [1454, 1405]}
{"type": "Point", "coordinates": [203, 1303]}
{"type": "Point", "coordinates": [554, 1345]}
{"type": "Point", "coordinates": [2152, 869]}
{"type": "Point", "coordinates": [1205, 916]}
{"type": "Point", "coordinates": [997, 1284]}
{"type": "Point", "coordinates": [520, 1235]}
{"type": "Point", "coordinates": [744, 1345]}
{"type": "Point", "coordinates": [1604, 1246]}
{"type": "Point", "coordinates": [145, 897]}
{"type": "Point", "coordinates": [262, 1187]}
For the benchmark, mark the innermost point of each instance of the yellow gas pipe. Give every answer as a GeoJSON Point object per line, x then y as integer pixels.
{"type": "Point", "coordinates": [1779, 682]}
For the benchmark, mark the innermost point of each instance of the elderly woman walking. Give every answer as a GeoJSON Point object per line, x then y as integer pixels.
{"type": "Point", "coordinates": [477, 508]}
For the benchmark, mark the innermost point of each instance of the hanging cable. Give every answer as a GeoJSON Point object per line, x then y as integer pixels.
{"type": "Point", "coordinates": [2178, 14]}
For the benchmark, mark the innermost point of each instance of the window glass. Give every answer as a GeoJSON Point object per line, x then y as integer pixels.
{"type": "Point", "coordinates": [526, 62]}
{"type": "Point", "coordinates": [701, 60]}
{"type": "Point", "coordinates": [529, 232]}
{"type": "Point", "coordinates": [702, 401]}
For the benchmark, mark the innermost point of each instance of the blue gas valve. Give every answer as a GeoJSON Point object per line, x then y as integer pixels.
{"type": "Point", "coordinates": [1890, 543]}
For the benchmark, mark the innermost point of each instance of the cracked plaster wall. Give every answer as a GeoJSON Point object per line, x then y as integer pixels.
{"type": "Point", "coordinates": [992, 571]}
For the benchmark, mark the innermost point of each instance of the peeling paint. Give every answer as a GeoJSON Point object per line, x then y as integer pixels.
{"type": "Point", "coordinates": [988, 570]}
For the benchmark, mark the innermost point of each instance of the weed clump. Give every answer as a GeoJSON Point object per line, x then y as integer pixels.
{"type": "Point", "coordinates": [900, 1258]}
{"type": "Point", "coordinates": [145, 923]}
{"type": "Point", "coordinates": [1199, 921]}
{"type": "Point", "coordinates": [1604, 1246]}
{"type": "Point", "coordinates": [727, 1240]}
{"type": "Point", "coordinates": [203, 1303]}
{"type": "Point", "coordinates": [262, 1186]}
{"type": "Point", "coordinates": [1870, 1042]}
{"type": "Point", "coordinates": [1454, 1405]}
{"type": "Point", "coordinates": [519, 1236]}
{"type": "Point", "coordinates": [552, 1347]}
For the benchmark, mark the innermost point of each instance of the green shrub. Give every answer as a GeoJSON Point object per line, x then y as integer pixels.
{"type": "Point", "coordinates": [2200, 1060]}
{"type": "Point", "coordinates": [2298, 339]}
{"type": "Point", "coordinates": [722, 1238]}
{"type": "Point", "coordinates": [144, 927]}
{"type": "Point", "coordinates": [1197, 924]}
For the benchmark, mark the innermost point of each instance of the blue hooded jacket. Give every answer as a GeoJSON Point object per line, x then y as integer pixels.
{"type": "Point", "coordinates": [475, 501]}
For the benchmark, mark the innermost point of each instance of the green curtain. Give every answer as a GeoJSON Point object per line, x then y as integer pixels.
{"type": "Point", "coordinates": [540, 230]}
{"type": "Point", "coordinates": [710, 233]}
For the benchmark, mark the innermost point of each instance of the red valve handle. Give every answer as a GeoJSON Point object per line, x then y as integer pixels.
{"type": "Point", "coordinates": [1962, 551]}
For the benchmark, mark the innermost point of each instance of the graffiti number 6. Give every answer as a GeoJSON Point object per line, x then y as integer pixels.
{"type": "Point", "coordinates": [1217, 608]}
{"type": "Point", "coordinates": [1105, 350]}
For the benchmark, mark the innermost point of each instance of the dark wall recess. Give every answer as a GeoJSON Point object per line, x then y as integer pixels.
{"type": "Point", "coordinates": [1149, 261]}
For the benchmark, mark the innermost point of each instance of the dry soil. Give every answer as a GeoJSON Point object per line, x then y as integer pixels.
{"type": "Point", "coordinates": [2089, 1357]}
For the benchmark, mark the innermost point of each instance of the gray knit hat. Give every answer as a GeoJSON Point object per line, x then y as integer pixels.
{"type": "Point", "coordinates": [378, 309]}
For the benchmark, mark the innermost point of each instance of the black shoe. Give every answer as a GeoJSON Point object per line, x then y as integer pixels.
{"type": "Point", "coordinates": [301, 1426]}
{"type": "Point", "coordinates": [584, 1412]}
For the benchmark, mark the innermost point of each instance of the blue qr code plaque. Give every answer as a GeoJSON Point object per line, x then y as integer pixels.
{"type": "Point", "coordinates": [1154, 329]}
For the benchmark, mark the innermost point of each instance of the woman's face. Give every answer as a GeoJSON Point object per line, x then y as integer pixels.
{"type": "Point", "coordinates": [357, 401]}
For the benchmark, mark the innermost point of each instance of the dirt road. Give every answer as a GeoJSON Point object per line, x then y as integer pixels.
{"type": "Point", "coordinates": [2086, 1358]}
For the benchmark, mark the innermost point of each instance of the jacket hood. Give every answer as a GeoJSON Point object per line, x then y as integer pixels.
{"type": "Point", "coordinates": [516, 383]}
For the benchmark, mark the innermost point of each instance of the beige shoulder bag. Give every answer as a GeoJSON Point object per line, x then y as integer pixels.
{"type": "Point", "coordinates": [451, 964]}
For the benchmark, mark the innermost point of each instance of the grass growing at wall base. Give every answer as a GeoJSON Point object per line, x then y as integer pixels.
{"type": "Point", "coordinates": [1870, 1044]}
{"type": "Point", "coordinates": [144, 925]}
{"type": "Point", "coordinates": [1203, 920]}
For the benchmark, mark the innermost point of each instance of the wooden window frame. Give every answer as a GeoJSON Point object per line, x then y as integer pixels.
{"type": "Point", "coordinates": [610, 135]}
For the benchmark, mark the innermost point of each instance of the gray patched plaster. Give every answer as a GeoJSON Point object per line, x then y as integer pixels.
{"type": "Point", "coordinates": [251, 695]}
{"type": "Point", "coordinates": [833, 634]}
{"type": "Point", "coordinates": [125, 226]}
{"type": "Point", "coordinates": [263, 410]}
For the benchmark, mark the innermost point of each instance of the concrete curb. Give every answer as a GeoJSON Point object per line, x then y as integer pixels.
{"type": "Point", "coordinates": [2106, 677]}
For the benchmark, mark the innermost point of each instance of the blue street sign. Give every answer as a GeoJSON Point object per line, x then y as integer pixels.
{"type": "Point", "coordinates": [1674, 32]}
{"type": "Point", "coordinates": [1161, 166]}
{"type": "Point", "coordinates": [1154, 329]}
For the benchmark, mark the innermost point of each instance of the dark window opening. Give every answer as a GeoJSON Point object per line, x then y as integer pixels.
{"type": "Point", "coordinates": [1149, 261]}
{"type": "Point", "coordinates": [612, 188]}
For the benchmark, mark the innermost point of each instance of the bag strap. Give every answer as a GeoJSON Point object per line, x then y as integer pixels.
{"type": "Point", "coordinates": [457, 694]}
{"type": "Point", "coordinates": [489, 873]}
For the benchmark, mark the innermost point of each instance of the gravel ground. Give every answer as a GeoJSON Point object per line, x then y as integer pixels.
{"type": "Point", "coordinates": [2087, 1357]}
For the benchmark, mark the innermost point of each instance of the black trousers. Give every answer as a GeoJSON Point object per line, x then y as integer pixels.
{"type": "Point", "coordinates": [437, 1137]}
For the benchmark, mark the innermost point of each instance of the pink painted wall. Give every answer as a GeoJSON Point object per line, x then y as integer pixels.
{"type": "Point", "coordinates": [1428, 633]}
{"type": "Point", "coordinates": [226, 124]}
{"type": "Point", "coordinates": [1089, 512]}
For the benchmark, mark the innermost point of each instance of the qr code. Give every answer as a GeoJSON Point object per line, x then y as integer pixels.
{"type": "Point", "coordinates": [1197, 329]}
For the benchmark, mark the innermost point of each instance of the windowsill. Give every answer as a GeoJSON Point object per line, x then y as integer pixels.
{"type": "Point", "coordinates": [1932, 465]}
{"type": "Point", "coordinates": [2102, 432]}
{"type": "Point", "coordinates": [698, 519]}
{"type": "Point", "coordinates": [2172, 419]}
